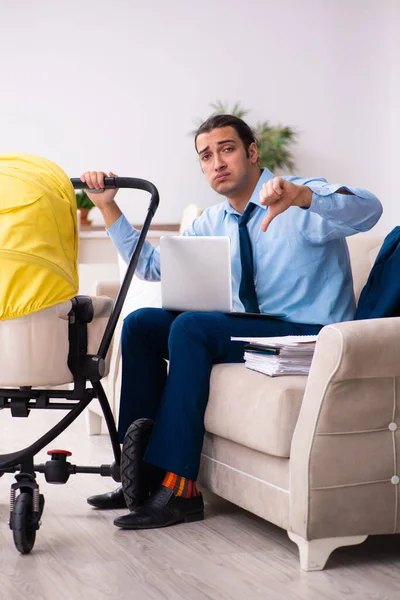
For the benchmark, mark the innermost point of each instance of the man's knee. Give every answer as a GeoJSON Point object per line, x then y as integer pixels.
{"type": "Point", "coordinates": [190, 323]}
{"type": "Point", "coordinates": [138, 321]}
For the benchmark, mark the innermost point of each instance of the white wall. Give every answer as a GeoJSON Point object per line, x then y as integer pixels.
{"type": "Point", "coordinates": [118, 85]}
{"type": "Point", "coordinates": [392, 212]}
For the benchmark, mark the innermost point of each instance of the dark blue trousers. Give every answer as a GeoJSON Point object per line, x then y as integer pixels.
{"type": "Point", "coordinates": [193, 342]}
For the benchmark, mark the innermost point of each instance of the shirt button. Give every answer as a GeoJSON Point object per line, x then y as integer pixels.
{"type": "Point", "coordinates": [392, 426]}
{"type": "Point", "coordinates": [395, 479]}
{"type": "Point", "coordinates": [321, 201]}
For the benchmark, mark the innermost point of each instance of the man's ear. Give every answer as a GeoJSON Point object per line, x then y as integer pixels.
{"type": "Point", "coordinates": [253, 153]}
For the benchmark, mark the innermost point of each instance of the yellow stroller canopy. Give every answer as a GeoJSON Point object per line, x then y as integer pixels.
{"type": "Point", "coordinates": [38, 235]}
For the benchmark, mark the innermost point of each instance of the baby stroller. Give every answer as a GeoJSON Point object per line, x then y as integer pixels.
{"type": "Point", "coordinates": [39, 307]}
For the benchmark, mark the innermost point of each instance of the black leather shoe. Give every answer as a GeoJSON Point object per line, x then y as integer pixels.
{"type": "Point", "coordinates": [163, 508]}
{"type": "Point", "coordinates": [108, 501]}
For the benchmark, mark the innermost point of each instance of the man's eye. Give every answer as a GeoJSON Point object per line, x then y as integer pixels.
{"type": "Point", "coordinates": [205, 157]}
{"type": "Point", "coordinates": [228, 149]}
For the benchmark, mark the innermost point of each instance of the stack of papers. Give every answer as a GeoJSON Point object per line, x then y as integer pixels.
{"type": "Point", "coordinates": [286, 355]}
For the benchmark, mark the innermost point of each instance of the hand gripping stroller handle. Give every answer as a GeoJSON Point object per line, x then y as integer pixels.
{"type": "Point", "coordinates": [124, 182]}
{"type": "Point", "coordinates": [138, 184]}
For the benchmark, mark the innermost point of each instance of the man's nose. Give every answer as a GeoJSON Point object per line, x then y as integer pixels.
{"type": "Point", "coordinates": [219, 163]}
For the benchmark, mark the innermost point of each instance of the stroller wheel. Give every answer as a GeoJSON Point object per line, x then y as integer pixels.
{"type": "Point", "coordinates": [23, 526]}
{"type": "Point", "coordinates": [133, 475]}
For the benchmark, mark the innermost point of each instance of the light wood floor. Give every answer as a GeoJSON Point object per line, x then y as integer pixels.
{"type": "Point", "coordinates": [79, 554]}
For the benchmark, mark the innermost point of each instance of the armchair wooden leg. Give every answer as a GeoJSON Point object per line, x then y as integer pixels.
{"type": "Point", "coordinates": [93, 422]}
{"type": "Point", "coordinates": [315, 553]}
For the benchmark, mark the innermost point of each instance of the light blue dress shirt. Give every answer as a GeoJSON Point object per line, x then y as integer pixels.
{"type": "Point", "coordinates": [301, 263]}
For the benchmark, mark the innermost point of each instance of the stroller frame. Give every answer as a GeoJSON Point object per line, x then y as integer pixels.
{"type": "Point", "coordinates": [26, 508]}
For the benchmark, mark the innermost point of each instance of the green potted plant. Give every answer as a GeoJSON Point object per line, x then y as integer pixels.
{"type": "Point", "coordinates": [84, 205]}
{"type": "Point", "coordinates": [273, 141]}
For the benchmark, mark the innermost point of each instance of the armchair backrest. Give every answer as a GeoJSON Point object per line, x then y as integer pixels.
{"type": "Point", "coordinates": [363, 250]}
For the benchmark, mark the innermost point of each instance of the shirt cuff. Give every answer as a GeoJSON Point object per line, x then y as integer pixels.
{"type": "Point", "coordinates": [325, 198]}
{"type": "Point", "coordinates": [326, 189]}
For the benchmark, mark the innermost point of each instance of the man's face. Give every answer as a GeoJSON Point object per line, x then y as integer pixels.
{"type": "Point", "coordinates": [224, 161]}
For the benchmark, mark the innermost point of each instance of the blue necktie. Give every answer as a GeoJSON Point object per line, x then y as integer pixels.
{"type": "Point", "coordinates": [247, 291]}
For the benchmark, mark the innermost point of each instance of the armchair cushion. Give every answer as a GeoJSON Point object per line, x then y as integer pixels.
{"type": "Point", "coordinates": [264, 419]}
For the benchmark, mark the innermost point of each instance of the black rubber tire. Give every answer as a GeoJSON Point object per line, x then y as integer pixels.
{"type": "Point", "coordinates": [133, 476]}
{"type": "Point", "coordinates": [24, 532]}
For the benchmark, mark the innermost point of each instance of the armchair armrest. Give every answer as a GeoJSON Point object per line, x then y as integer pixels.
{"type": "Point", "coordinates": [360, 349]}
{"type": "Point", "coordinates": [102, 306]}
{"type": "Point", "coordinates": [108, 288]}
{"type": "Point", "coordinates": [345, 448]}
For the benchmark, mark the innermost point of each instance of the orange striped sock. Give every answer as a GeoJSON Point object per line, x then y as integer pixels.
{"type": "Point", "coordinates": [180, 485]}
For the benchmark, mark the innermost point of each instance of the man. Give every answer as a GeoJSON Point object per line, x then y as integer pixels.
{"type": "Point", "coordinates": [289, 260]}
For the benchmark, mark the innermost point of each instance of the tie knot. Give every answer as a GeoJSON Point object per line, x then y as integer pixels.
{"type": "Point", "coordinates": [246, 215]}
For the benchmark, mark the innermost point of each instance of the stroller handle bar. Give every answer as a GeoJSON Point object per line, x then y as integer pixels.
{"type": "Point", "coordinates": [124, 182]}
{"type": "Point", "coordinates": [138, 184]}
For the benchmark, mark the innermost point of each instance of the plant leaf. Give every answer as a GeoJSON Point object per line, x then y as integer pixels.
{"type": "Point", "coordinates": [83, 200]}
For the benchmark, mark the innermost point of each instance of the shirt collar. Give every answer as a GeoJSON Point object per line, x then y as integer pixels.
{"type": "Point", "coordinates": [265, 176]}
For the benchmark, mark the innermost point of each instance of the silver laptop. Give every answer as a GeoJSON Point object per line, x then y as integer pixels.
{"type": "Point", "coordinates": [196, 273]}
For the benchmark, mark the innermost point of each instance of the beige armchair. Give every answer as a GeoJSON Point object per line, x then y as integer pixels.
{"type": "Point", "coordinates": [317, 455]}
